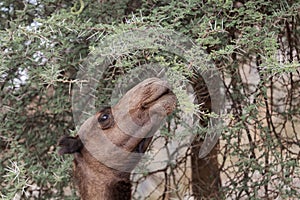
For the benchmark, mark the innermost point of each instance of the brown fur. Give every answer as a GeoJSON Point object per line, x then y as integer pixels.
{"type": "Point", "coordinates": [106, 141]}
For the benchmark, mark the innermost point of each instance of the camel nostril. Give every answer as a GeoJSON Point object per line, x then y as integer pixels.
{"type": "Point", "coordinates": [144, 106]}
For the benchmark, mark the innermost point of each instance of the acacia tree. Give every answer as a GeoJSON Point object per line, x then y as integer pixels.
{"type": "Point", "coordinates": [254, 44]}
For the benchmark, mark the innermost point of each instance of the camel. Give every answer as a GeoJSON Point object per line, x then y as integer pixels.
{"type": "Point", "coordinates": [110, 144]}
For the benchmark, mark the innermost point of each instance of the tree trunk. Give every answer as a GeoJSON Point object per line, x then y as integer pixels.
{"type": "Point", "coordinates": [206, 180]}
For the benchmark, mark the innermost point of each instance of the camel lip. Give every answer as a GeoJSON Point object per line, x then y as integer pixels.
{"type": "Point", "coordinates": [166, 92]}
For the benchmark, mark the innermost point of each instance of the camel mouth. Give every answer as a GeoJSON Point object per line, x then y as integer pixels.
{"type": "Point", "coordinates": [143, 145]}
{"type": "Point", "coordinates": [141, 112]}
{"type": "Point", "coordinates": [162, 97]}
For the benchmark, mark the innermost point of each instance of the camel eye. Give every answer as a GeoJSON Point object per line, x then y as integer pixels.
{"type": "Point", "coordinates": [103, 117]}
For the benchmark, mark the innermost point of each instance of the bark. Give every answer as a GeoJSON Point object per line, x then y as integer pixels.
{"type": "Point", "coordinates": [206, 180]}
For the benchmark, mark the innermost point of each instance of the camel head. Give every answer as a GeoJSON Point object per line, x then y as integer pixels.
{"type": "Point", "coordinates": [117, 136]}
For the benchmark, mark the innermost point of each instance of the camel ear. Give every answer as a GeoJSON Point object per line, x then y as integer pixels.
{"type": "Point", "coordinates": [69, 145]}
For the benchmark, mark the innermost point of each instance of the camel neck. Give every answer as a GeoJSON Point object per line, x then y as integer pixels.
{"type": "Point", "coordinates": [97, 181]}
